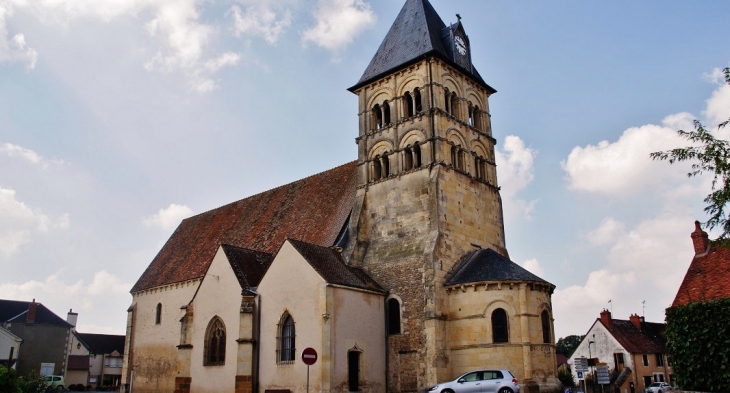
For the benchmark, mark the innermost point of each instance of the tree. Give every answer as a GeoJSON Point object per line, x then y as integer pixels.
{"type": "Point", "coordinates": [567, 345]}
{"type": "Point", "coordinates": [707, 154]}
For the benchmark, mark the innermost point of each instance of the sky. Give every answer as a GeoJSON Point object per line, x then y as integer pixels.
{"type": "Point", "coordinates": [119, 118]}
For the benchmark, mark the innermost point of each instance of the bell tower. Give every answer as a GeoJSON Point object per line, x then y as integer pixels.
{"type": "Point", "coordinates": [428, 191]}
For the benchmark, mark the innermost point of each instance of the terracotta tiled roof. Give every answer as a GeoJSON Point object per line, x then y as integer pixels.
{"type": "Point", "coordinates": [561, 360]}
{"type": "Point", "coordinates": [488, 265]}
{"type": "Point", "coordinates": [312, 209]}
{"type": "Point", "coordinates": [16, 311]}
{"type": "Point", "coordinates": [248, 265]}
{"type": "Point", "coordinates": [707, 278]}
{"type": "Point", "coordinates": [102, 344]}
{"type": "Point", "coordinates": [650, 339]}
{"type": "Point", "coordinates": [78, 362]}
{"type": "Point", "coordinates": [332, 267]}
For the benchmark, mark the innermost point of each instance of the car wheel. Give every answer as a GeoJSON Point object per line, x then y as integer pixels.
{"type": "Point", "coordinates": [447, 391]}
{"type": "Point", "coordinates": [505, 390]}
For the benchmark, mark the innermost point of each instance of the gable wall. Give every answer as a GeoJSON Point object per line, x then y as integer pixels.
{"type": "Point", "coordinates": [154, 347]}
{"type": "Point", "coordinates": [291, 285]}
{"type": "Point", "coordinates": [219, 295]}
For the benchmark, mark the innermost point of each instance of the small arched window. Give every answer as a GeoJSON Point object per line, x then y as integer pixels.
{"type": "Point", "coordinates": [158, 314]}
{"type": "Point", "coordinates": [393, 316]}
{"type": "Point", "coordinates": [386, 114]}
{"type": "Point", "coordinates": [215, 343]}
{"type": "Point", "coordinates": [471, 115]}
{"type": "Point", "coordinates": [407, 159]}
{"type": "Point", "coordinates": [408, 102]}
{"type": "Point", "coordinates": [545, 317]}
{"type": "Point", "coordinates": [417, 155]}
{"type": "Point", "coordinates": [500, 331]}
{"type": "Point", "coordinates": [385, 165]}
{"type": "Point", "coordinates": [453, 101]}
{"type": "Point", "coordinates": [477, 118]}
{"type": "Point", "coordinates": [457, 157]}
{"type": "Point", "coordinates": [417, 100]}
{"type": "Point", "coordinates": [287, 337]}
{"type": "Point", "coordinates": [377, 170]}
{"type": "Point", "coordinates": [478, 168]}
{"type": "Point", "coordinates": [447, 101]}
{"type": "Point", "coordinates": [377, 117]}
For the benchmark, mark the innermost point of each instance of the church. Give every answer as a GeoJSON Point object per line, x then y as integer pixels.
{"type": "Point", "coordinates": [393, 267]}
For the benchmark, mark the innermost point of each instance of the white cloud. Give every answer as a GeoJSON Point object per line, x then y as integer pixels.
{"type": "Point", "coordinates": [533, 266]}
{"type": "Point", "coordinates": [18, 151]}
{"type": "Point", "coordinates": [718, 105]}
{"type": "Point", "coordinates": [19, 222]}
{"type": "Point", "coordinates": [338, 22]}
{"type": "Point", "coordinates": [260, 20]}
{"type": "Point", "coordinates": [515, 164]}
{"type": "Point", "coordinates": [607, 232]}
{"type": "Point", "coordinates": [168, 218]}
{"type": "Point", "coordinates": [14, 49]}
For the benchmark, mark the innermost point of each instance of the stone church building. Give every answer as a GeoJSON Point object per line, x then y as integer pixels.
{"type": "Point", "coordinates": [392, 267]}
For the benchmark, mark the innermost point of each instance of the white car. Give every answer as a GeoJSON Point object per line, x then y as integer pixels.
{"type": "Point", "coordinates": [658, 387]}
{"type": "Point", "coordinates": [480, 381]}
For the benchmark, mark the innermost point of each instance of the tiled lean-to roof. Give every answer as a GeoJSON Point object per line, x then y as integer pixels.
{"type": "Point", "coordinates": [313, 209]}
{"type": "Point", "coordinates": [418, 31]}
{"type": "Point", "coordinates": [488, 265]}
{"type": "Point", "coordinates": [330, 265]}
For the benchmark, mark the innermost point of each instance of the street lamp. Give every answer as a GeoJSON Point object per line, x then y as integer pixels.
{"type": "Point", "coordinates": [590, 356]}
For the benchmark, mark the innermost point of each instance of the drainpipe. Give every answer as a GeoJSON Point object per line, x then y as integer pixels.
{"type": "Point", "coordinates": [256, 344]}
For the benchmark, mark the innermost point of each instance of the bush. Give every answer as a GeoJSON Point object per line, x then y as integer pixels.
{"type": "Point", "coordinates": [698, 344]}
{"type": "Point", "coordinates": [566, 377]}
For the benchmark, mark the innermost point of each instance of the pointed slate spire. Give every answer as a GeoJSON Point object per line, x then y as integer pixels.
{"type": "Point", "coordinates": [417, 31]}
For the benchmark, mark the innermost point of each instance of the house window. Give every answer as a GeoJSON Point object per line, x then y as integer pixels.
{"type": "Point", "coordinates": [545, 317]}
{"type": "Point", "coordinates": [618, 359]}
{"type": "Point", "coordinates": [393, 316]}
{"type": "Point", "coordinates": [500, 332]}
{"type": "Point", "coordinates": [158, 314]}
{"type": "Point", "coordinates": [659, 360]}
{"type": "Point", "coordinates": [287, 337]}
{"type": "Point", "coordinates": [647, 381]}
{"type": "Point", "coordinates": [646, 360]}
{"type": "Point", "coordinates": [215, 343]}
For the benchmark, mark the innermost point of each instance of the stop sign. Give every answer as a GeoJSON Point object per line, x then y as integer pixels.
{"type": "Point", "coordinates": [309, 356]}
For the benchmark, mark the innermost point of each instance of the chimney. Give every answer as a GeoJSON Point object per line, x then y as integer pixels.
{"type": "Point", "coordinates": [700, 240]}
{"type": "Point", "coordinates": [30, 317]}
{"type": "Point", "coordinates": [606, 318]}
{"type": "Point", "coordinates": [636, 320]}
{"type": "Point", "coordinates": [72, 317]}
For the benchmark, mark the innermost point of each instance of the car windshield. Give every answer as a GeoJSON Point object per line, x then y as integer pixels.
{"type": "Point", "coordinates": [655, 385]}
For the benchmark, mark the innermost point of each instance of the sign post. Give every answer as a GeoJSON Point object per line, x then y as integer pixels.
{"type": "Point", "coordinates": [309, 357]}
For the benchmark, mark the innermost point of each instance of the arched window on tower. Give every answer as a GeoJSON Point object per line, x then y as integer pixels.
{"type": "Point", "coordinates": [470, 120]}
{"type": "Point", "coordinates": [417, 155]}
{"type": "Point", "coordinates": [158, 314]}
{"type": "Point", "coordinates": [393, 316]}
{"type": "Point", "coordinates": [500, 330]}
{"type": "Point", "coordinates": [385, 165]}
{"type": "Point", "coordinates": [447, 101]}
{"type": "Point", "coordinates": [477, 118]}
{"type": "Point", "coordinates": [386, 114]}
{"type": "Point", "coordinates": [457, 157]}
{"type": "Point", "coordinates": [417, 100]}
{"type": "Point", "coordinates": [215, 343]}
{"type": "Point", "coordinates": [377, 170]}
{"type": "Point", "coordinates": [286, 339]}
{"type": "Point", "coordinates": [545, 317]}
{"type": "Point", "coordinates": [478, 168]}
{"type": "Point", "coordinates": [377, 117]}
{"type": "Point", "coordinates": [453, 103]}
{"type": "Point", "coordinates": [408, 103]}
{"type": "Point", "coordinates": [407, 159]}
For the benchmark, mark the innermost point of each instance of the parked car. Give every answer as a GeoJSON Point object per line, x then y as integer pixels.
{"type": "Point", "coordinates": [480, 381]}
{"type": "Point", "coordinates": [55, 382]}
{"type": "Point", "coordinates": [658, 387]}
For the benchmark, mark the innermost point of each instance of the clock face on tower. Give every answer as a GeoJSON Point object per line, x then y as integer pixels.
{"type": "Point", "coordinates": [460, 45]}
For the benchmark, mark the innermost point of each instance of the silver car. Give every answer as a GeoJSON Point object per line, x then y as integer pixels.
{"type": "Point", "coordinates": [658, 387]}
{"type": "Point", "coordinates": [480, 381]}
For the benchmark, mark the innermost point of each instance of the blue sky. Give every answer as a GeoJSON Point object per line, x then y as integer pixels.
{"type": "Point", "coordinates": [118, 118]}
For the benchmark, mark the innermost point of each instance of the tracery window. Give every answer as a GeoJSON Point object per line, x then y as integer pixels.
{"type": "Point", "coordinates": [215, 343]}
{"type": "Point", "coordinates": [545, 317]}
{"type": "Point", "coordinates": [500, 329]}
{"type": "Point", "coordinates": [286, 339]}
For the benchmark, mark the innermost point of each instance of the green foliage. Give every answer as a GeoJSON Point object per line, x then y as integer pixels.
{"type": "Point", "coordinates": [707, 154]}
{"type": "Point", "coordinates": [8, 380]}
{"type": "Point", "coordinates": [567, 345]}
{"type": "Point", "coordinates": [698, 344]}
{"type": "Point", "coordinates": [566, 377]}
